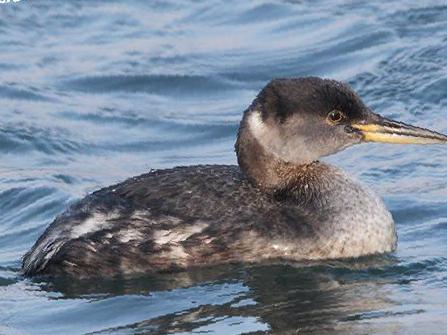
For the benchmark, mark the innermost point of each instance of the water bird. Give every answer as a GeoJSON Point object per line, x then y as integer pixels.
{"type": "Point", "coordinates": [280, 203]}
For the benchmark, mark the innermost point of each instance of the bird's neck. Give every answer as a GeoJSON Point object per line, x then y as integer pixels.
{"type": "Point", "coordinates": [271, 173]}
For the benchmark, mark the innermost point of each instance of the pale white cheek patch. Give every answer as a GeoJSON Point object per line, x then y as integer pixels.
{"type": "Point", "coordinates": [289, 149]}
{"type": "Point", "coordinates": [262, 133]}
{"type": "Point", "coordinates": [257, 126]}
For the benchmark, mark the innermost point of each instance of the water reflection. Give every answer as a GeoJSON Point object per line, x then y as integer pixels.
{"type": "Point", "coordinates": [282, 298]}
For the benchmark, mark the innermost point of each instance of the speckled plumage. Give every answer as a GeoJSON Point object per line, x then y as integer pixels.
{"type": "Point", "coordinates": [202, 215]}
{"type": "Point", "coordinates": [280, 203]}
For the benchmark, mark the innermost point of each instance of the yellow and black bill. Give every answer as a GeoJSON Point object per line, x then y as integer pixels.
{"type": "Point", "coordinates": [389, 131]}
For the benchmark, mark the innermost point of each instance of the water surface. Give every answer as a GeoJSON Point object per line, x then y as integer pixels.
{"type": "Point", "coordinates": [93, 92]}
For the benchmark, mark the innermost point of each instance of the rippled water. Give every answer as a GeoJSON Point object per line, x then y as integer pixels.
{"type": "Point", "coordinates": [93, 92]}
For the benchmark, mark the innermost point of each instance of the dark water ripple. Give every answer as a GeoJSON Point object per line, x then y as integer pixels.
{"type": "Point", "coordinates": [93, 92]}
{"type": "Point", "coordinates": [155, 84]}
{"type": "Point", "coordinates": [20, 93]}
{"type": "Point", "coordinates": [16, 138]}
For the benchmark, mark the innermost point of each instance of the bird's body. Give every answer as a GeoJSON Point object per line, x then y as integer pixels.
{"type": "Point", "coordinates": [202, 215]}
{"type": "Point", "coordinates": [280, 203]}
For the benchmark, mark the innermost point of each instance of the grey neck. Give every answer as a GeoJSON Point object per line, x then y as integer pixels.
{"type": "Point", "coordinates": [265, 169]}
{"type": "Point", "coordinates": [258, 165]}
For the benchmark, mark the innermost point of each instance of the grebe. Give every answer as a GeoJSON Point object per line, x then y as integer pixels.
{"type": "Point", "coordinates": [281, 203]}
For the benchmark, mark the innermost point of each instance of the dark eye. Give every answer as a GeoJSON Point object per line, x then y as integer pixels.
{"type": "Point", "coordinates": [335, 116]}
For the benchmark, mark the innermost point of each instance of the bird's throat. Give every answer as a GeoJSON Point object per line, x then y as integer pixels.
{"type": "Point", "coordinates": [269, 172]}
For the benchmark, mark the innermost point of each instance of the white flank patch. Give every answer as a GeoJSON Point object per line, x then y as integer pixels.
{"type": "Point", "coordinates": [179, 234]}
{"type": "Point", "coordinates": [174, 236]}
{"type": "Point", "coordinates": [94, 223]}
{"type": "Point", "coordinates": [54, 248]}
{"type": "Point", "coordinates": [178, 252]}
{"type": "Point", "coordinates": [130, 235]}
{"type": "Point", "coordinates": [140, 215]}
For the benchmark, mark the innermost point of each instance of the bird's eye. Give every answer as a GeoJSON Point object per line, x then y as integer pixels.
{"type": "Point", "coordinates": [335, 116]}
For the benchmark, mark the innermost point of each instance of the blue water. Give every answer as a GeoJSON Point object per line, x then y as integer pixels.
{"type": "Point", "coordinates": [92, 92]}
